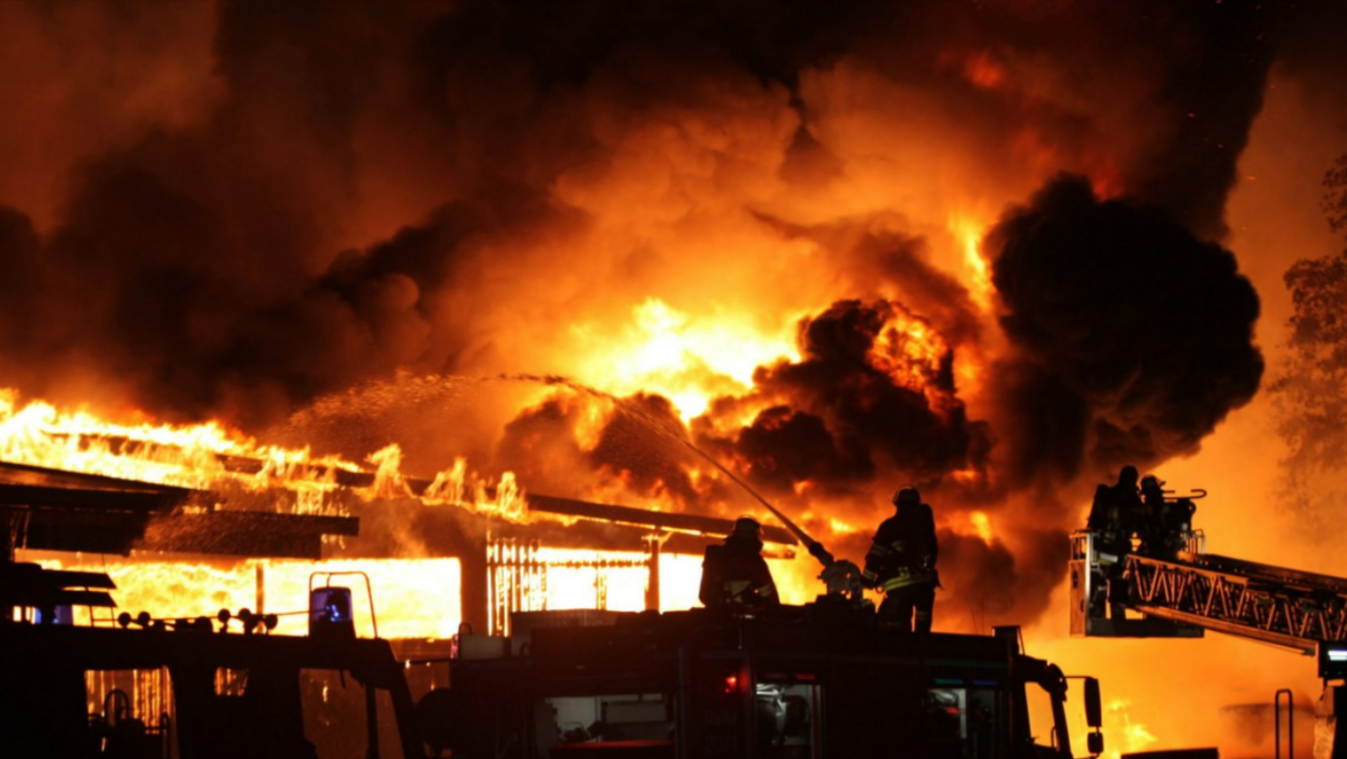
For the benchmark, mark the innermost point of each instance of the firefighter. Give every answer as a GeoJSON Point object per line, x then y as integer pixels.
{"type": "Point", "coordinates": [1179, 517]}
{"type": "Point", "coordinates": [1125, 504]}
{"type": "Point", "coordinates": [902, 561]}
{"type": "Point", "coordinates": [734, 575]}
{"type": "Point", "coordinates": [1110, 543]}
{"type": "Point", "coordinates": [1171, 519]}
{"type": "Point", "coordinates": [1127, 500]}
{"type": "Point", "coordinates": [1156, 539]}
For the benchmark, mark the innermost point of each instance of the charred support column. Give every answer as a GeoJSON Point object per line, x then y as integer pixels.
{"type": "Point", "coordinates": [473, 593]}
{"type": "Point", "coordinates": [14, 520]}
{"type": "Point", "coordinates": [261, 589]}
{"type": "Point", "coordinates": [653, 545]}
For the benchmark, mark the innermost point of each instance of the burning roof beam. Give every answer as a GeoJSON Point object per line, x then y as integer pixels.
{"type": "Point", "coordinates": [245, 533]}
{"type": "Point", "coordinates": [49, 509]}
{"type": "Point", "coordinates": [66, 511]}
{"type": "Point", "coordinates": [688, 523]}
{"type": "Point", "coordinates": [32, 586]}
{"type": "Point", "coordinates": [653, 519]}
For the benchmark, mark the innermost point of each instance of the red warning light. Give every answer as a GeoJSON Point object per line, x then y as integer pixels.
{"type": "Point", "coordinates": [732, 684]}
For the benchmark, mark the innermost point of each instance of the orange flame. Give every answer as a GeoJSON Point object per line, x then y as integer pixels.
{"type": "Point", "coordinates": [913, 354]}
{"type": "Point", "coordinates": [687, 359]}
{"type": "Point", "coordinates": [209, 457]}
{"type": "Point", "coordinates": [413, 598]}
{"type": "Point", "coordinates": [969, 232]}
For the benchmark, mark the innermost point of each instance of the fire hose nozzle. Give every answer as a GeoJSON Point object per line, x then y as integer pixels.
{"type": "Point", "coordinates": [843, 578]}
{"type": "Point", "coordinates": [824, 556]}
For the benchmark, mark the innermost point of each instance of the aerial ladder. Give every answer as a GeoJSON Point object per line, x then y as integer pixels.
{"type": "Point", "coordinates": [1182, 593]}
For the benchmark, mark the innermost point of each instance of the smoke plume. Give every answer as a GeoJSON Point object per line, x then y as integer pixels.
{"type": "Point", "coordinates": [272, 204]}
{"type": "Point", "coordinates": [1133, 338]}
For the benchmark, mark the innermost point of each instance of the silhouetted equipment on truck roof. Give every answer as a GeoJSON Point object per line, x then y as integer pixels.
{"type": "Point", "coordinates": [822, 680]}
{"type": "Point", "coordinates": [55, 510]}
{"type": "Point", "coordinates": [797, 682]}
{"type": "Point", "coordinates": [814, 681]}
{"type": "Point", "coordinates": [218, 694]}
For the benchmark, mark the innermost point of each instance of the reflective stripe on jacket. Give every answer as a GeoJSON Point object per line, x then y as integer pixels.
{"type": "Point", "coordinates": [906, 578]}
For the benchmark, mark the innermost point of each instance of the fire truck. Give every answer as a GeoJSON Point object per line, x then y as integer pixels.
{"type": "Point", "coordinates": [823, 680]}
{"type": "Point", "coordinates": [191, 688]}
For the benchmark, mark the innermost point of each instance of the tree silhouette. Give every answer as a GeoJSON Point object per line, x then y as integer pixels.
{"type": "Point", "coordinates": [1310, 393]}
{"type": "Point", "coordinates": [1335, 194]}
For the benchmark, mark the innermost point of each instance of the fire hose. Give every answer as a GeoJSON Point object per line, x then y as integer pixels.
{"type": "Point", "coordinates": [842, 577]}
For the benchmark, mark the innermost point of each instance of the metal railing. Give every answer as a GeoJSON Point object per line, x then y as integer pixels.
{"type": "Point", "coordinates": [518, 578]}
{"type": "Point", "coordinates": [1290, 723]}
{"type": "Point", "coordinates": [1238, 602]}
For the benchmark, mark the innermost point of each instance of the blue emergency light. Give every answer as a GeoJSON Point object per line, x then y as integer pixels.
{"type": "Point", "coordinates": [330, 613]}
{"type": "Point", "coordinates": [62, 614]}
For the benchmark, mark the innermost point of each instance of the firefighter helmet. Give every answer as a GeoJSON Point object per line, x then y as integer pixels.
{"type": "Point", "coordinates": [1128, 476]}
{"type": "Point", "coordinates": [906, 495]}
{"type": "Point", "coordinates": [747, 527]}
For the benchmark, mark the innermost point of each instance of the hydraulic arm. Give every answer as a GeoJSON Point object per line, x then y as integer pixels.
{"type": "Point", "coordinates": [1194, 591]}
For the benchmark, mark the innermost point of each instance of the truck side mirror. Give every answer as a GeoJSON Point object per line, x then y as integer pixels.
{"type": "Point", "coordinates": [1094, 743]}
{"type": "Point", "coordinates": [1094, 711]}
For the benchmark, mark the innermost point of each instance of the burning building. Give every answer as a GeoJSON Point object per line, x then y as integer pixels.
{"type": "Point", "coordinates": [992, 249]}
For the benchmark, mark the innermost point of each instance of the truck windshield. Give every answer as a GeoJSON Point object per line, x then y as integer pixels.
{"type": "Point", "coordinates": [788, 723]}
{"type": "Point", "coordinates": [1040, 715]}
{"type": "Point", "coordinates": [335, 718]}
{"type": "Point", "coordinates": [961, 720]}
{"type": "Point", "coordinates": [641, 724]}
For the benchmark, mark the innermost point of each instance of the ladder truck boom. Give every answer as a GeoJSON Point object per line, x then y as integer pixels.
{"type": "Point", "coordinates": [1295, 609]}
{"type": "Point", "coordinates": [1194, 591]}
{"type": "Point", "coordinates": [1141, 577]}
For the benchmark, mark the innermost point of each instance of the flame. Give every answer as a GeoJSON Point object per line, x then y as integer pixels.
{"type": "Point", "coordinates": [210, 457]}
{"type": "Point", "coordinates": [191, 456]}
{"type": "Point", "coordinates": [509, 502]}
{"type": "Point", "coordinates": [448, 485]}
{"type": "Point", "coordinates": [840, 528]}
{"type": "Point", "coordinates": [969, 231]}
{"type": "Point", "coordinates": [687, 359]}
{"type": "Point", "coordinates": [982, 524]}
{"type": "Point", "coordinates": [796, 578]}
{"type": "Point", "coordinates": [416, 598]}
{"type": "Point", "coordinates": [413, 598]}
{"type": "Point", "coordinates": [618, 582]}
{"type": "Point", "coordinates": [1133, 735]}
{"type": "Point", "coordinates": [912, 353]}
{"type": "Point", "coordinates": [388, 479]}
{"type": "Point", "coordinates": [975, 524]}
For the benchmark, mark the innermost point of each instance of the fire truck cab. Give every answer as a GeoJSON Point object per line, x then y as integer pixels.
{"type": "Point", "coordinates": [801, 683]}
{"type": "Point", "coordinates": [187, 689]}
{"type": "Point", "coordinates": [87, 692]}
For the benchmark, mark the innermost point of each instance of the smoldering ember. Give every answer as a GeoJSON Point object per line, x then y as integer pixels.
{"type": "Point", "coordinates": [484, 379]}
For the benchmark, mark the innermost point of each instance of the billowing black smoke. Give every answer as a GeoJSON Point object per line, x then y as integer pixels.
{"type": "Point", "coordinates": [197, 266]}
{"type": "Point", "coordinates": [348, 189]}
{"type": "Point", "coordinates": [840, 410]}
{"type": "Point", "coordinates": [1133, 338]}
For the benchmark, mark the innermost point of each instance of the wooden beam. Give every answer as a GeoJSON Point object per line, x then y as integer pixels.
{"type": "Point", "coordinates": [645, 518]}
